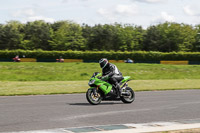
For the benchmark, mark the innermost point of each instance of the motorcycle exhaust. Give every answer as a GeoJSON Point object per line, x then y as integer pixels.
{"type": "Point", "coordinates": [125, 94]}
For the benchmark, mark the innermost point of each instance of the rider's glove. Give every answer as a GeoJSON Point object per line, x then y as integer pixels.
{"type": "Point", "coordinates": [104, 77]}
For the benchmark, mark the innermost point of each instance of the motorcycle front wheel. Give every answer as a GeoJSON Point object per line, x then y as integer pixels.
{"type": "Point", "coordinates": [92, 99]}
{"type": "Point", "coordinates": [130, 98]}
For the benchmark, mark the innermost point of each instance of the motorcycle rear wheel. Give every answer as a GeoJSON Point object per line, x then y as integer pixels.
{"type": "Point", "coordinates": [128, 99]}
{"type": "Point", "coordinates": [92, 99]}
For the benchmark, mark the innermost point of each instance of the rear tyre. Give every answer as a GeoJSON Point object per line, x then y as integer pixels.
{"type": "Point", "coordinates": [130, 98]}
{"type": "Point", "coordinates": [92, 99]}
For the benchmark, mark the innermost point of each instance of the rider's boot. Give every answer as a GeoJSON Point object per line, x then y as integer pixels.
{"type": "Point", "coordinates": [117, 86]}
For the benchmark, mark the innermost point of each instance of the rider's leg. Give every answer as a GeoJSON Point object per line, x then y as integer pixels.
{"type": "Point", "coordinates": [113, 81]}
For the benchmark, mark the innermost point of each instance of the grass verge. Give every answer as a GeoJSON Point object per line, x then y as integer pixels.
{"type": "Point", "coordinates": [32, 71]}
{"type": "Point", "coordinates": [11, 88]}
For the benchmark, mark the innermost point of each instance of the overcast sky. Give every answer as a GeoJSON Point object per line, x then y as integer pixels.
{"type": "Point", "coordinates": [138, 12]}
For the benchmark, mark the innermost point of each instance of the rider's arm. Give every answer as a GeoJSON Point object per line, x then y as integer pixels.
{"type": "Point", "coordinates": [111, 72]}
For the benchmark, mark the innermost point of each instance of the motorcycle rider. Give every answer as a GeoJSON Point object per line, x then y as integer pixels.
{"type": "Point", "coordinates": [111, 72]}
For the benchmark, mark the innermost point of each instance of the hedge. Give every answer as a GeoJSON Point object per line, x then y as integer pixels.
{"type": "Point", "coordinates": [96, 55]}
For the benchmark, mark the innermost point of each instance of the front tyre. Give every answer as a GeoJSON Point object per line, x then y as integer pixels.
{"type": "Point", "coordinates": [92, 99]}
{"type": "Point", "coordinates": [130, 98]}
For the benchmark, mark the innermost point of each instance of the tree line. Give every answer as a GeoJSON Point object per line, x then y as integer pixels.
{"type": "Point", "coordinates": [68, 35]}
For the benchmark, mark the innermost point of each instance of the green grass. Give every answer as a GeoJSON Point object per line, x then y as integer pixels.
{"type": "Point", "coordinates": [62, 78]}
{"type": "Point", "coordinates": [10, 88]}
{"type": "Point", "coordinates": [82, 71]}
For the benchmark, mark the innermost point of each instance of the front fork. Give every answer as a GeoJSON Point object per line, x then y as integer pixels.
{"type": "Point", "coordinates": [94, 90]}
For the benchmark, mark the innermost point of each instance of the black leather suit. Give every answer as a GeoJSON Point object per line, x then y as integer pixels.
{"type": "Point", "coordinates": [115, 76]}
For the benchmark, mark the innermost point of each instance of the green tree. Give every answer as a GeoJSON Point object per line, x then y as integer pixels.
{"type": "Point", "coordinates": [188, 37]}
{"type": "Point", "coordinates": [196, 44]}
{"type": "Point", "coordinates": [115, 37]}
{"type": "Point", "coordinates": [11, 35]}
{"type": "Point", "coordinates": [168, 37]}
{"type": "Point", "coordinates": [152, 39]}
{"type": "Point", "coordinates": [130, 37]}
{"type": "Point", "coordinates": [96, 39]}
{"type": "Point", "coordinates": [37, 35]}
{"type": "Point", "coordinates": [87, 33]}
{"type": "Point", "coordinates": [68, 36]}
{"type": "Point", "coordinates": [2, 45]}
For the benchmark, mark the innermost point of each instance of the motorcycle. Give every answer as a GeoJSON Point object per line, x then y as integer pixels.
{"type": "Point", "coordinates": [101, 90]}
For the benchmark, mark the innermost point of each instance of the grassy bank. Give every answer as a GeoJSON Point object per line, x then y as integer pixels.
{"type": "Point", "coordinates": [82, 71]}
{"type": "Point", "coordinates": [10, 88]}
{"type": "Point", "coordinates": [62, 78]}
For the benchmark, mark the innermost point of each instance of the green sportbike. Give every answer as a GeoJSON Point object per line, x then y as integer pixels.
{"type": "Point", "coordinates": [100, 90]}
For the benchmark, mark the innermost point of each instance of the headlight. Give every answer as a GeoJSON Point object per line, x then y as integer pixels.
{"type": "Point", "coordinates": [91, 82]}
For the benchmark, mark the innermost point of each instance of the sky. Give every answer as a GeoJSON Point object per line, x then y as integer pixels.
{"type": "Point", "coordinates": [139, 12]}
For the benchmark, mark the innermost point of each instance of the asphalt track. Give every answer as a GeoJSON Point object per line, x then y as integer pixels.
{"type": "Point", "coordinates": [24, 113]}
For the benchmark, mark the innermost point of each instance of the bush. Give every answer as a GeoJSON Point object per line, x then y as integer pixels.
{"type": "Point", "coordinates": [96, 55]}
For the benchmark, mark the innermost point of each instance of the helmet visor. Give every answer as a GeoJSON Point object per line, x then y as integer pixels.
{"type": "Point", "coordinates": [103, 63]}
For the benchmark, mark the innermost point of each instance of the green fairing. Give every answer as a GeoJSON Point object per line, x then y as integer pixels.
{"type": "Point", "coordinates": [104, 86]}
{"type": "Point", "coordinates": [126, 78]}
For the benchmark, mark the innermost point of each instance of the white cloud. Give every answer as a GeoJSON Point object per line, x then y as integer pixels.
{"type": "Point", "coordinates": [164, 16]}
{"type": "Point", "coordinates": [103, 12]}
{"type": "Point", "coordinates": [46, 19]}
{"type": "Point", "coordinates": [106, 14]}
{"type": "Point", "coordinates": [65, 1]}
{"type": "Point", "coordinates": [126, 9]}
{"type": "Point", "coordinates": [118, 12]}
{"type": "Point", "coordinates": [191, 10]}
{"type": "Point", "coordinates": [26, 12]}
{"type": "Point", "coordinates": [30, 15]}
{"type": "Point", "coordinates": [151, 1]}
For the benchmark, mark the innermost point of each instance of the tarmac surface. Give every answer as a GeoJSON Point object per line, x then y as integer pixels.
{"type": "Point", "coordinates": [25, 113]}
